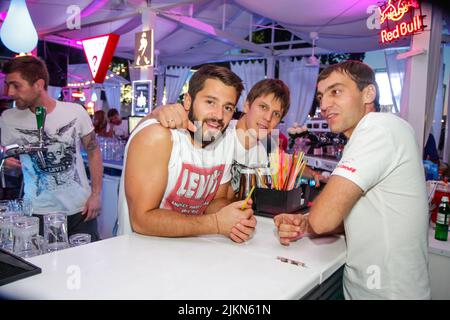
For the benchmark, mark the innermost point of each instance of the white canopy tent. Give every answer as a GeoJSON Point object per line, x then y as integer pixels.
{"type": "Point", "coordinates": [199, 31]}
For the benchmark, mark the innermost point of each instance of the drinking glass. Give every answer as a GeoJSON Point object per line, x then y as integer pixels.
{"type": "Point", "coordinates": [26, 237]}
{"type": "Point", "coordinates": [7, 220]}
{"type": "Point", "coordinates": [4, 206]}
{"type": "Point", "coordinates": [247, 181]}
{"type": "Point", "coordinates": [263, 178]}
{"type": "Point", "coordinates": [55, 231]}
{"type": "Point", "coordinates": [79, 239]}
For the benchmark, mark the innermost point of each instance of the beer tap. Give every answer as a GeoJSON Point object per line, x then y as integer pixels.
{"type": "Point", "coordinates": [41, 114]}
{"type": "Point", "coordinates": [13, 150]}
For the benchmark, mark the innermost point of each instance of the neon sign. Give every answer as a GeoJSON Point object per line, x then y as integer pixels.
{"type": "Point", "coordinates": [78, 95]}
{"type": "Point", "coordinates": [402, 29]}
{"type": "Point", "coordinates": [398, 23]}
{"type": "Point", "coordinates": [143, 53]}
{"type": "Point", "coordinates": [395, 13]}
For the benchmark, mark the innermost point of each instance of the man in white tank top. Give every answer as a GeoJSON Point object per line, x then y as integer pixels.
{"type": "Point", "coordinates": [174, 183]}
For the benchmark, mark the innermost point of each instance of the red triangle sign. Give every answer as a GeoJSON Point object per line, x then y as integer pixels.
{"type": "Point", "coordinates": [99, 52]}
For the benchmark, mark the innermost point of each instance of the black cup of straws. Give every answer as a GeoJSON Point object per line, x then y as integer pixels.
{"type": "Point", "coordinates": [270, 202]}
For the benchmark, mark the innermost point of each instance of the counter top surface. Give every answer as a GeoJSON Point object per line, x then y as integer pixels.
{"type": "Point", "coordinates": [107, 163]}
{"type": "Point", "coordinates": [113, 164]}
{"type": "Point", "coordinates": [206, 267]}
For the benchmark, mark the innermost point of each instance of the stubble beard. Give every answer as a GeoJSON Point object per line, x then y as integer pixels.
{"type": "Point", "coordinates": [28, 104]}
{"type": "Point", "coordinates": [198, 136]}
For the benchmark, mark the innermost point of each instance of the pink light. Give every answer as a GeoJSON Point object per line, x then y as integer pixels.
{"type": "Point", "coordinates": [72, 43]}
{"type": "Point", "coordinates": [79, 42]}
{"type": "Point", "coordinates": [93, 7]}
{"type": "Point", "coordinates": [3, 15]}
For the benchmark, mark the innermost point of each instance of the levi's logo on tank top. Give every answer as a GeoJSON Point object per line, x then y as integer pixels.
{"type": "Point", "coordinates": [195, 189]}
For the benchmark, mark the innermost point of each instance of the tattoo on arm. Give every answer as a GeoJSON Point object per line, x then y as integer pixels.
{"type": "Point", "coordinates": [91, 142]}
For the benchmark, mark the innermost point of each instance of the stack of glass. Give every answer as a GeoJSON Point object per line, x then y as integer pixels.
{"type": "Point", "coordinates": [19, 230]}
{"type": "Point", "coordinates": [9, 213]}
{"type": "Point", "coordinates": [112, 149]}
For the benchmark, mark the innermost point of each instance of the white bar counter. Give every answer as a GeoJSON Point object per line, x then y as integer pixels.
{"type": "Point", "coordinates": [207, 268]}
{"type": "Point", "coordinates": [113, 164]}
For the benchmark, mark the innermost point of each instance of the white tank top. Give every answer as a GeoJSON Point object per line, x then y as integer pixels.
{"type": "Point", "coordinates": [194, 175]}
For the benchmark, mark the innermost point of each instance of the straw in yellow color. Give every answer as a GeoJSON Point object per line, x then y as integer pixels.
{"type": "Point", "coordinates": [303, 168]}
{"type": "Point", "coordinates": [244, 206]}
{"type": "Point", "coordinates": [274, 169]}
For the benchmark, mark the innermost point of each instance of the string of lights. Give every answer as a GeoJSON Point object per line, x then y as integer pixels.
{"type": "Point", "coordinates": [87, 83]}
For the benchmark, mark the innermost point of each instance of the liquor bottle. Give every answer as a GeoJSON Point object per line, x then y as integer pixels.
{"type": "Point", "coordinates": [441, 232]}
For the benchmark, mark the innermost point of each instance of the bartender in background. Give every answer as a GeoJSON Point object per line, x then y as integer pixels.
{"type": "Point", "coordinates": [116, 127]}
{"type": "Point", "coordinates": [60, 183]}
{"type": "Point", "coordinates": [100, 123]}
{"type": "Point", "coordinates": [377, 192]}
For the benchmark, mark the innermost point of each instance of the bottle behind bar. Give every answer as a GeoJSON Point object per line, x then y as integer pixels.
{"type": "Point", "coordinates": [441, 232]}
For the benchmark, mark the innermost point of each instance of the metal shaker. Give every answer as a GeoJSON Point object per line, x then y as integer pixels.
{"type": "Point", "coordinates": [247, 181]}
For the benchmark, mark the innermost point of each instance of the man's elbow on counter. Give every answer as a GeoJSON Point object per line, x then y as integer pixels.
{"type": "Point", "coordinates": [320, 226]}
{"type": "Point", "coordinates": [137, 224]}
{"type": "Point", "coordinates": [136, 227]}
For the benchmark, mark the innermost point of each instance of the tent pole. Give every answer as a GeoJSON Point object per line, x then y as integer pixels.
{"type": "Point", "coordinates": [250, 29]}
{"type": "Point", "coordinates": [224, 14]}
{"type": "Point", "coordinates": [270, 67]}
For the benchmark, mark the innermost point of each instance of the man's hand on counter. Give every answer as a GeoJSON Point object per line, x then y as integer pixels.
{"type": "Point", "coordinates": [92, 207]}
{"type": "Point", "coordinates": [243, 230]}
{"type": "Point", "coordinates": [230, 221]}
{"type": "Point", "coordinates": [291, 227]}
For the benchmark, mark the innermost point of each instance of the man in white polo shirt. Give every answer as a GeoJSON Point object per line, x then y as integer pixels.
{"type": "Point", "coordinates": [377, 192]}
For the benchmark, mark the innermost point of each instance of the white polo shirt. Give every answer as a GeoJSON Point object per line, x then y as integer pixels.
{"type": "Point", "coordinates": [386, 231]}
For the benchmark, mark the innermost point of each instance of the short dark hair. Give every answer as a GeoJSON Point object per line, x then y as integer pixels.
{"type": "Point", "coordinates": [99, 120]}
{"type": "Point", "coordinates": [30, 68]}
{"type": "Point", "coordinates": [359, 72]}
{"type": "Point", "coordinates": [267, 86]}
{"type": "Point", "coordinates": [112, 112]}
{"type": "Point", "coordinates": [210, 71]}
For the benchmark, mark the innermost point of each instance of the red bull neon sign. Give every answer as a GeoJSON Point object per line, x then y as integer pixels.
{"type": "Point", "coordinates": [399, 19]}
